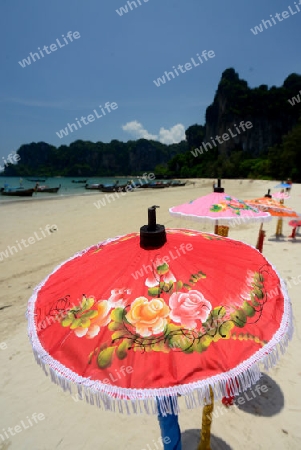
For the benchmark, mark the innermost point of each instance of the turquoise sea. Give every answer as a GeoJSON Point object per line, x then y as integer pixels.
{"type": "Point", "coordinates": [67, 187]}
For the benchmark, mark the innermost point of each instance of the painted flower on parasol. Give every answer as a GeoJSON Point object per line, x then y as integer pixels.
{"type": "Point", "coordinates": [201, 323]}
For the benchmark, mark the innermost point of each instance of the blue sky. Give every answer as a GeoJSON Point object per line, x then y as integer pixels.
{"type": "Point", "coordinates": [117, 58]}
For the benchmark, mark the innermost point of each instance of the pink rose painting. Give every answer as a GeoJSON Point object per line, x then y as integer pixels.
{"type": "Point", "coordinates": [187, 308]}
{"type": "Point", "coordinates": [118, 297]}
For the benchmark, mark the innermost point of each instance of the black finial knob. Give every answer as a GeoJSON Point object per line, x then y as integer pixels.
{"type": "Point", "coordinates": [152, 235]}
{"type": "Point", "coordinates": [218, 188]}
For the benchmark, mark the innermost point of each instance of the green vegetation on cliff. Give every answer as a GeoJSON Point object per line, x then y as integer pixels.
{"type": "Point", "coordinates": [84, 158]}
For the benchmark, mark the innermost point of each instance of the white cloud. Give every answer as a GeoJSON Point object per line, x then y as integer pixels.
{"type": "Point", "coordinates": [172, 136]}
{"type": "Point", "coordinates": [136, 129]}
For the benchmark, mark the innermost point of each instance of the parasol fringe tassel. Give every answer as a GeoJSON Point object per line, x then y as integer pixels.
{"type": "Point", "coordinates": [153, 405]}
{"type": "Point", "coordinates": [98, 404]}
{"type": "Point", "coordinates": [80, 391]}
{"type": "Point", "coordinates": [119, 404]}
{"type": "Point", "coordinates": [229, 384]}
{"type": "Point", "coordinates": [231, 221]}
{"type": "Point", "coordinates": [146, 407]}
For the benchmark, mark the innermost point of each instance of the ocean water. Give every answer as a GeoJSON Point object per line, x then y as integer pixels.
{"type": "Point", "coordinates": [67, 187]}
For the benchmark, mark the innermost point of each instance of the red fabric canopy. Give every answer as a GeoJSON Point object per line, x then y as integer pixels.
{"type": "Point", "coordinates": [128, 323]}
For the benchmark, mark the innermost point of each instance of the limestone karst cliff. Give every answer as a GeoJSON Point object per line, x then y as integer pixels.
{"type": "Point", "coordinates": [269, 111]}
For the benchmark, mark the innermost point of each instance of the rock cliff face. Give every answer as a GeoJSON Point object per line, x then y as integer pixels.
{"type": "Point", "coordinates": [268, 110]}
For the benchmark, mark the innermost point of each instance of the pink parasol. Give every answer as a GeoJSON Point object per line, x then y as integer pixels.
{"type": "Point", "coordinates": [219, 207]}
{"type": "Point", "coordinates": [281, 195]}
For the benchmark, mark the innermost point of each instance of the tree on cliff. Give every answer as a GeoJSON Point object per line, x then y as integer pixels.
{"type": "Point", "coordinates": [285, 159]}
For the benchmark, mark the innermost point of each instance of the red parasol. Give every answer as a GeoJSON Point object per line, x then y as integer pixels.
{"type": "Point", "coordinates": [296, 223]}
{"type": "Point", "coordinates": [150, 316]}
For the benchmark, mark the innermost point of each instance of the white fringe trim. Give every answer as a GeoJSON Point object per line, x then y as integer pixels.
{"type": "Point", "coordinates": [230, 220]}
{"type": "Point", "coordinates": [137, 401]}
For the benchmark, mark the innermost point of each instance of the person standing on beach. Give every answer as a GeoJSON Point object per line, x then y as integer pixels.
{"type": "Point", "coordinates": [289, 181]}
{"type": "Point", "coordinates": [169, 426]}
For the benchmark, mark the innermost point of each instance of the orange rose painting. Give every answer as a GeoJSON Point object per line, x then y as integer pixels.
{"type": "Point", "coordinates": [149, 317]}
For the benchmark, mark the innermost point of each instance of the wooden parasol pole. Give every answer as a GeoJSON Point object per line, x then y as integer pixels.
{"type": "Point", "coordinates": [280, 221]}
{"type": "Point", "coordinates": [206, 423]}
{"type": "Point", "coordinates": [279, 227]}
{"type": "Point", "coordinates": [258, 239]}
{"type": "Point", "coordinates": [216, 227]}
{"type": "Point", "coordinates": [293, 235]}
{"type": "Point", "coordinates": [261, 236]}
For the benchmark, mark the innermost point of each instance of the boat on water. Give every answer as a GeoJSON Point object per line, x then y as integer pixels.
{"type": "Point", "coordinates": [116, 187]}
{"type": "Point", "coordinates": [17, 192]}
{"type": "Point", "coordinates": [159, 184]}
{"type": "Point", "coordinates": [113, 188]}
{"type": "Point", "coordinates": [79, 181]}
{"type": "Point", "coordinates": [95, 186]}
{"type": "Point", "coordinates": [37, 180]}
{"type": "Point", "coordinates": [52, 190]}
{"type": "Point", "coordinates": [176, 183]}
{"type": "Point", "coordinates": [155, 185]}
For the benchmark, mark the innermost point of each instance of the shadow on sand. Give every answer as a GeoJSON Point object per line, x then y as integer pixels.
{"type": "Point", "coordinates": [266, 404]}
{"type": "Point", "coordinates": [191, 439]}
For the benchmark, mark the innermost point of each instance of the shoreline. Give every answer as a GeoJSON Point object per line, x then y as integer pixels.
{"type": "Point", "coordinates": [193, 183]}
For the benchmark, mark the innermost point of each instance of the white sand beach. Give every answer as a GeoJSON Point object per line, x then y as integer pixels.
{"type": "Point", "coordinates": [268, 421]}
